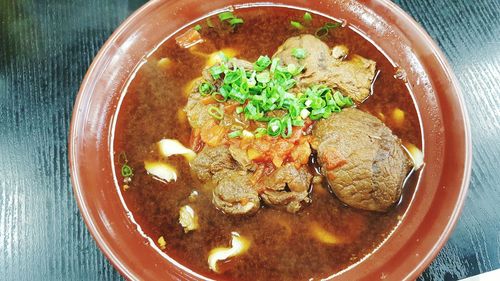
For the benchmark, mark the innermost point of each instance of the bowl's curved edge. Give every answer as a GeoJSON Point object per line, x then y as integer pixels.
{"type": "Point", "coordinates": [427, 260]}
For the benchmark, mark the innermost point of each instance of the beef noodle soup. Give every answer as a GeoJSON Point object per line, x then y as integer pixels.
{"type": "Point", "coordinates": [267, 144]}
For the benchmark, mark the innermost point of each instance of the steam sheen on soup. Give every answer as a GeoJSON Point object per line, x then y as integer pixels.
{"type": "Point", "coordinates": [267, 144]}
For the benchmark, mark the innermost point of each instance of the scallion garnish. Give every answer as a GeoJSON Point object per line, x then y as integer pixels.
{"type": "Point", "coordinates": [206, 88]}
{"type": "Point", "coordinates": [216, 71]}
{"type": "Point", "coordinates": [274, 127]}
{"type": "Point", "coordinates": [262, 63]}
{"type": "Point", "coordinates": [286, 125]}
{"type": "Point", "coordinates": [308, 17]}
{"type": "Point", "coordinates": [263, 77]}
{"type": "Point", "coordinates": [260, 132]}
{"type": "Point", "coordinates": [234, 134]}
{"type": "Point", "coordinates": [299, 53]}
{"type": "Point", "coordinates": [266, 88]}
{"type": "Point", "coordinates": [321, 32]}
{"type": "Point", "coordinates": [126, 170]}
{"type": "Point", "coordinates": [219, 97]}
{"type": "Point", "coordinates": [235, 21]}
{"type": "Point", "coordinates": [325, 29]}
{"type": "Point", "coordinates": [230, 18]}
{"type": "Point", "coordinates": [331, 25]}
{"type": "Point", "coordinates": [226, 16]}
{"type": "Point", "coordinates": [215, 112]}
{"type": "Point", "coordinates": [197, 27]}
{"type": "Point", "coordinates": [296, 24]}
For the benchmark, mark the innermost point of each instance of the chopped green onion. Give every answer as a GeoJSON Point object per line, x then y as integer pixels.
{"type": "Point", "coordinates": [274, 127]}
{"type": "Point", "coordinates": [265, 89]}
{"type": "Point", "coordinates": [232, 77]}
{"type": "Point", "coordinates": [294, 70]}
{"type": "Point", "coordinates": [321, 32]}
{"type": "Point", "coordinates": [299, 53]}
{"type": "Point", "coordinates": [308, 17]}
{"type": "Point", "coordinates": [286, 125]}
{"type": "Point", "coordinates": [127, 170]}
{"type": "Point", "coordinates": [226, 16]}
{"type": "Point", "coordinates": [260, 132]}
{"type": "Point", "coordinates": [234, 134]}
{"type": "Point", "coordinates": [330, 25]}
{"type": "Point", "coordinates": [262, 63]}
{"type": "Point", "coordinates": [206, 88]}
{"type": "Point", "coordinates": [230, 18]}
{"type": "Point", "coordinates": [219, 97]}
{"type": "Point", "coordinates": [215, 112]}
{"type": "Point", "coordinates": [274, 64]}
{"type": "Point", "coordinates": [197, 27]}
{"type": "Point", "coordinates": [215, 71]}
{"type": "Point", "coordinates": [298, 122]}
{"type": "Point", "coordinates": [339, 99]}
{"type": "Point", "coordinates": [235, 21]}
{"type": "Point", "coordinates": [304, 113]}
{"type": "Point", "coordinates": [297, 25]}
{"type": "Point", "coordinates": [263, 77]}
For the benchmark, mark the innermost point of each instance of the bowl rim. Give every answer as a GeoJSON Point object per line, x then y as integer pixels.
{"type": "Point", "coordinates": [392, 8]}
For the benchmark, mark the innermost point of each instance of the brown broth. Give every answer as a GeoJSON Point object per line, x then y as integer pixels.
{"type": "Point", "coordinates": [281, 245]}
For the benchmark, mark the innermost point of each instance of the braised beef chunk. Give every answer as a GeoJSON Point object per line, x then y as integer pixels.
{"type": "Point", "coordinates": [351, 75]}
{"type": "Point", "coordinates": [362, 160]}
{"type": "Point", "coordinates": [234, 194]}
{"type": "Point", "coordinates": [287, 188]}
{"type": "Point", "coordinates": [213, 162]}
{"type": "Point", "coordinates": [196, 112]}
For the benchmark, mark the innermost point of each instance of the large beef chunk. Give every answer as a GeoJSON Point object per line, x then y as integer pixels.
{"type": "Point", "coordinates": [234, 194]}
{"type": "Point", "coordinates": [351, 75]}
{"type": "Point", "coordinates": [287, 188]}
{"type": "Point", "coordinates": [213, 162]}
{"type": "Point", "coordinates": [362, 160]}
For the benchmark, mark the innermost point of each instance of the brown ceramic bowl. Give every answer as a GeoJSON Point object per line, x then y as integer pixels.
{"type": "Point", "coordinates": [431, 214]}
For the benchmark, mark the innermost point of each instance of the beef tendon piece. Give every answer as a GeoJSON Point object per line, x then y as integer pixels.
{"type": "Point", "coordinates": [364, 163]}
{"type": "Point", "coordinates": [287, 188]}
{"type": "Point", "coordinates": [234, 194]}
{"type": "Point", "coordinates": [352, 75]}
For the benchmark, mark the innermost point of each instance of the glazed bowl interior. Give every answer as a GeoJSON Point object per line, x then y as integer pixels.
{"type": "Point", "coordinates": [435, 205]}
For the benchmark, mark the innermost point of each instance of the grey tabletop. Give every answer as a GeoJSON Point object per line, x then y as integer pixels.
{"type": "Point", "coordinates": [46, 47]}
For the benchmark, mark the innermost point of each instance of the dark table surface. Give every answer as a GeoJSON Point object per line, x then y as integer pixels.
{"type": "Point", "coordinates": [46, 47]}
